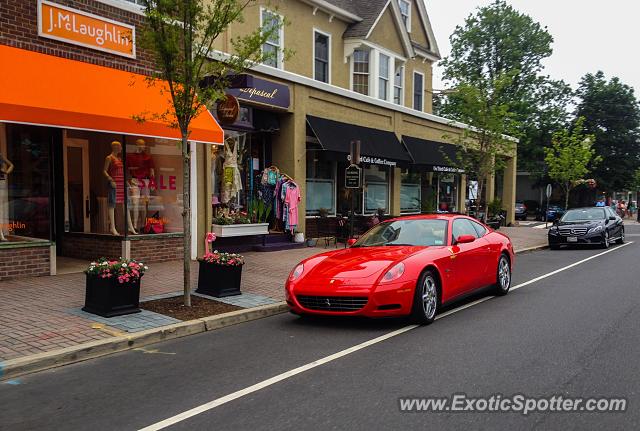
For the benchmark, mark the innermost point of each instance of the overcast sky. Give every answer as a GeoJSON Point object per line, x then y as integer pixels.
{"type": "Point", "coordinates": [589, 35]}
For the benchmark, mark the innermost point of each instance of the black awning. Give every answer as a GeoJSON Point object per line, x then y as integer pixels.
{"type": "Point", "coordinates": [432, 153]}
{"type": "Point", "coordinates": [376, 145]}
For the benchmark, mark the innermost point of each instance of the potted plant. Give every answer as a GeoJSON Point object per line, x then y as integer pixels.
{"type": "Point", "coordinates": [219, 274]}
{"type": "Point", "coordinates": [113, 287]}
{"type": "Point", "coordinates": [231, 223]}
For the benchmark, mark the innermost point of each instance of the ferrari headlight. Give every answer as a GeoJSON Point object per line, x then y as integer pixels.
{"type": "Point", "coordinates": [394, 273]}
{"type": "Point", "coordinates": [297, 272]}
{"type": "Point", "coordinates": [596, 229]}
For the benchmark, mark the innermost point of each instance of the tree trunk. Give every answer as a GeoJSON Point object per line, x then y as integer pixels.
{"type": "Point", "coordinates": [186, 217]}
{"type": "Point", "coordinates": [566, 197]}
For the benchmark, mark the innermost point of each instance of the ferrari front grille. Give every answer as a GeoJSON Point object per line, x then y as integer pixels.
{"type": "Point", "coordinates": [332, 303]}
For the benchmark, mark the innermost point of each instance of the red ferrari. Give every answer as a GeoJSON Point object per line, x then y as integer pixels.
{"type": "Point", "coordinates": [405, 266]}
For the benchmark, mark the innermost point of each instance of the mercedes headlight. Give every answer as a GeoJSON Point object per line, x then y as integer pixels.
{"type": "Point", "coordinates": [596, 229]}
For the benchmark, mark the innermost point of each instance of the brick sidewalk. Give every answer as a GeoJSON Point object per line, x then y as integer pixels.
{"type": "Point", "coordinates": [39, 314]}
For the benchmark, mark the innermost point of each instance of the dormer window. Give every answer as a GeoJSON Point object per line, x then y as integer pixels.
{"type": "Point", "coordinates": [405, 12]}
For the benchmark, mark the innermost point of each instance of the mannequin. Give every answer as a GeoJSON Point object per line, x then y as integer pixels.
{"type": "Point", "coordinates": [141, 172]}
{"type": "Point", "coordinates": [6, 167]}
{"type": "Point", "coordinates": [231, 180]}
{"type": "Point", "coordinates": [114, 173]}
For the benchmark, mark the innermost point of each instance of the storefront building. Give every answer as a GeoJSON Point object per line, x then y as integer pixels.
{"type": "Point", "coordinates": [361, 71]}
{"type": "Point", "coordinates": [87, 169]}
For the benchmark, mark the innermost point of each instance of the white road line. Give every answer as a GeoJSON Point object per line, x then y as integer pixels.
{"type": "Point", "coordinates": [287, 374]}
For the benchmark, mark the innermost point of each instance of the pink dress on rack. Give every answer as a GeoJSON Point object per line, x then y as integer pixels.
{"type": "Point", "coordinates": [291, 199]}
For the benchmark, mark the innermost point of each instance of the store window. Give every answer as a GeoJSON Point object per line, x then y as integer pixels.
{"type": "Point", "coordinates": [321, 56]}
{"type": "Point", "coordinates": [448, 192]}
{"type": "Point", "coordinates": [154, 184]}
{"type": "Point", "coordinates": [383, 77]}
{"type": "Point", "coordinates": [376, 194]}
{"type": "Point", "coordinates": [410, 191]}
{"type": "Point", "coordinates": [121, 185]}
{"type": "Point", "coordinates": [361, 71]}
{"type": "Point", "coordinates": [25, 183]}
{"type": "Point", "coordinates": [273, 47]}
{"type": "Point", "coordinates": [321, 186]}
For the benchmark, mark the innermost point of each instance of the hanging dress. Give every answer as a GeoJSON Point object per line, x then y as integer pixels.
{"type": "Point", "coordinates": [116, 172]}
{"type": "Point", "coordinates": [232, 180]}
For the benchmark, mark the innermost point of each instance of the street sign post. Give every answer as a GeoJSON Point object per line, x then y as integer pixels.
{"type": "Point", "coordinates": [353, 177]}
{"type": "Point", "coordinates": [546, 210]}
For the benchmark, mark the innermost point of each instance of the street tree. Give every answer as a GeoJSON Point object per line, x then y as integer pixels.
{"type": "Point", "coordinates": [612, 114]}
{"type": "Point", "coordinates": [498, 40]}
{"type": "Point", "coordinates": [570, 157]}
{"type": "Point", "coordinates": [483, 146]}
{"type": "Point", "coordinates": [182, 35]}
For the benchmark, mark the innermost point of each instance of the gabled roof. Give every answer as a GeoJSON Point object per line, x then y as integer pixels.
{"type": "Point", "coordinates": [370, 11]}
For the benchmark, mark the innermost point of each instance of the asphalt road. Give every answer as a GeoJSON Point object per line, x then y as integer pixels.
{"type": "Point", "coordinates": [575, 333]}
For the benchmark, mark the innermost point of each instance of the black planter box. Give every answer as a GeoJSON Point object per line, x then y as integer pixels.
{"type": "Point", "coordinates": [107, 297]}
{"type": "Point", "coordinates": [219, 280]}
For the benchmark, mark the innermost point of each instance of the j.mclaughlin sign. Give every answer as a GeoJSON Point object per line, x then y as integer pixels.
{"type": "Point", "coordinates": [81, 28]}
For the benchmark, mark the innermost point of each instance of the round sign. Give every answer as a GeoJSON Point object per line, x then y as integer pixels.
{"type": "Point", "coordinates": [228, 110]}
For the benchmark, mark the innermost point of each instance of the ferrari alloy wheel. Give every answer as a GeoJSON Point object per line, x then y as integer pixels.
{"type": "Point", "coordinates": [504, 276]}
{"type": "Point", "coordinates": [621, 239]}
{"type": "Point", "coordinates": [425, 300]}
{"type": "Point", "coordinates": [605, 239]}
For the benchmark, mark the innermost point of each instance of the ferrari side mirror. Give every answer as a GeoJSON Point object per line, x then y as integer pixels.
{"type": "Point", "coordinates": [464, 239]}
{"type": "Point", "coordinates": [351, 241]}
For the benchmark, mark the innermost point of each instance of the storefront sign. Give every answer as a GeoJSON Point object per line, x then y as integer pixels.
{"type": "Point", "coordinates": [227, 110]}
{"type": "Point", "coordinates": [375, 161]}
{"type": "Point", "coordinates": [263, 92]}
{"type": "Point", "coordinates": [450, 169]}
{"type": "Point", "coordinates": [352, 177]}
{"type": "Point", "coordinates": [81, 28]}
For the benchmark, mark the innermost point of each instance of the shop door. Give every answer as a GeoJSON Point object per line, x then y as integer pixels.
{"type": "Point", "coordinates": [76, 185]}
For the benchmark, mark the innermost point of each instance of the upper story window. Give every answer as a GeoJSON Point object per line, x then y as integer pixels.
{"type": "Point", "coordinates": [398, 84]}
{"type": "Point", "coordinates": [383, 77]}
{"type": "Point", "coordinates": [273, 47]}
{"type": "Point", "coordinates": [405, 12]}
{"type": "Point", "coordinates": [361, 71]}
{"type": "Point", "coordinates": [321, 56]}
{"type": "Point", "coordinates": [418, 91]}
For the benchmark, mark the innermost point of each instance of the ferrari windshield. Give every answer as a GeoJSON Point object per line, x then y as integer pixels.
{"type": "Point", "coordinates": [584, 214]}
{"type": "Point", "coordinates": [414, 232]}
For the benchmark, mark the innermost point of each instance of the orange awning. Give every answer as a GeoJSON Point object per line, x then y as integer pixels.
{"type": "Point", "coordinates": [52, 91]}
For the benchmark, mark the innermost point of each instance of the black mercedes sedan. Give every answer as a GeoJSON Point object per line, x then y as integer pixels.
{"type": "Point", "coordinates": [592, 225]}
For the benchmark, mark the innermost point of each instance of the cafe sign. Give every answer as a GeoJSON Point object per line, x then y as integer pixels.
{"type": "Point", "coordinates": [81, 28]}
{"type": "Point", "coordinates": [375, 161]}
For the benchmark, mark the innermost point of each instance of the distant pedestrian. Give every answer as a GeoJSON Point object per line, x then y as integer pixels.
{"type": "Point", "coordinates": [622, 208]}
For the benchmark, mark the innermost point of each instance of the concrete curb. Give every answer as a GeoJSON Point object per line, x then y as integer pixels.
{"type": "Point", "coordinates": [94, 349]}
{"type": "Point", "coordinates": [534, 248]}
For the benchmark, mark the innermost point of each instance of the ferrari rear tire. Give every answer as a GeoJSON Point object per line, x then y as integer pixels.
{"type": "Point", "coordinates": [426, 299]}
{"type": "Point", "coordinates": [503, 276]}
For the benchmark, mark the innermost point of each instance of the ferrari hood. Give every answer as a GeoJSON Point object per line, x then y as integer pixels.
{"type": "Point", "coordinates": [360, 262]}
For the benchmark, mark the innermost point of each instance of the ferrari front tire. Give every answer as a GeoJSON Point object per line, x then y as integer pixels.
{"type": "Point", "coordinates": [503, 280]}
{"type": "Point", "coordinates": [426, 299]}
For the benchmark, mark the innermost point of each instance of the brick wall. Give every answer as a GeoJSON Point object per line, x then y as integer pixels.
{"type": "Point", "coordinates": [27, 261]}
{"type": "Point", "coordinates": [19, 28]}
{"type": "Point", "coordinates": [157, 249]}
{"type": "Point", "coordinates": [90, 247]}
